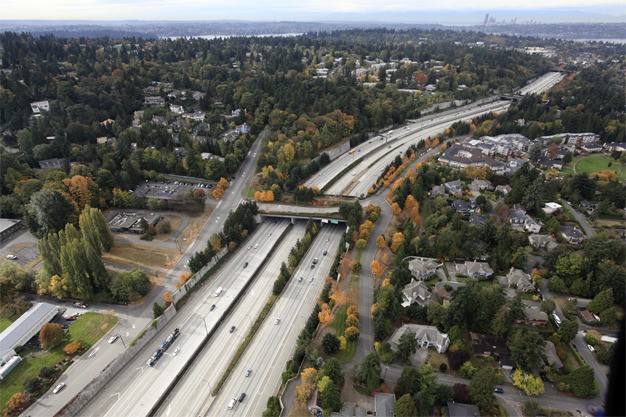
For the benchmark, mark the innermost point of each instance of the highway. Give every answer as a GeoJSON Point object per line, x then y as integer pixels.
{"type": "Point", "coordinates": [274, 343]}
{"type": "Point", "coordinates": [382, 152]}
{"type": "Point", "coordinates": [541, 84]}
{"type": "Point", "coordinates": [191, 393]}
{"type": "Point", "coordinates": [135, 390]}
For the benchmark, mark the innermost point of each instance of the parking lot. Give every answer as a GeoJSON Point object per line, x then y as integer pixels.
{"type": "Point", "coordinates": [168, 190]}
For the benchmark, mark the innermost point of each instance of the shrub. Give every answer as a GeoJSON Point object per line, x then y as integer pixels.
{"type": "Point", "coordinates": [71, 348]}
{"type": "Point", "coordinates": [443, 367]}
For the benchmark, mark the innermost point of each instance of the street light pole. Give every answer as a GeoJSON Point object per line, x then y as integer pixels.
{"type": "Point", "coordinates": [205, 326]}
{"type": "Point", "coordinates": [122, 339]}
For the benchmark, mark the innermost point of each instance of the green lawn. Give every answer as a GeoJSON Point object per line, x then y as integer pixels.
{"type": "Point", "coordinates": [339, 321]}
{"type": "Point", "coordinates": [87, 329]}
{"type": "Point", "coordinates": [33, 361]}
{"type": "Point", "coordinates": [596, 163]}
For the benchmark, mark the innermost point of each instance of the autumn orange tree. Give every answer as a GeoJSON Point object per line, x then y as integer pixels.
{"type": "Point", "coordinates": [218, 192]}
{"type": "Point", "coordinates": [182, 279]}
{"type": "Point", "coordinates": [380, 242]}
{"type": "Point", "coordinates": [167, 297]}
{"type": "Point", "coordinates": [50, 335]}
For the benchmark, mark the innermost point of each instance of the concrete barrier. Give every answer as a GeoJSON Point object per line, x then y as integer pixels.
{"type": "Point", "coordinates": [82, 398]}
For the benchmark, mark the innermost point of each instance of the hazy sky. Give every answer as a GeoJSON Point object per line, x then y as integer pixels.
{"type": "Point", "coordinates": [254, 9]}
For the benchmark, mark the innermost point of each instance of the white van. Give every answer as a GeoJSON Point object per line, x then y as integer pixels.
{"type": "Point", "coordinates": [557, 319]}
{"type": "Point", "coordinates": [218, 291]}
{"type": "Point", "coordinates": [232, 403]}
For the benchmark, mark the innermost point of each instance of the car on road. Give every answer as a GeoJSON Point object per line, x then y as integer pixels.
{"type": "Point", "coordinates": [212, 307]}
{"type": "Point", "coordinates": [300, 279]}
{"type": "Point", "coordinates": [249, 247]}
{"type": "Point", "coordinates": [113, 338]}
{"type": "Point", "coordinates": [176, 351]}
{"type": "Point", "coordinates": [248, 373]}
{"type": "Point", "coordinates": [80, 304]}
{"type": "Point", "coordinates": [232, 329]}
{"type": "Point", "coordinates": [245, 264]}
{"type": "Point", "coordinates": [256, 245]}
{"type": "Point", "coordinates": [312, 278]}
{"type": "Point", "coordinates": [276, 321]}
{"type": "Point", "coordinates": [12, 257]}
{"type": "Point", "coordinates": [498, 390]}
{"type": "Point", "coordinates": [591, 348]}
{"type": "Point", "coordinates": [325, 253]}
{"type": "Point", "coordinates": [242, 396]}
{"type": "Point", "coordinates": [58, 388]}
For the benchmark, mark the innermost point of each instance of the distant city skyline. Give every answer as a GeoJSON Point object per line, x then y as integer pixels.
{"type": "Point", "coordinates": [280, 9]}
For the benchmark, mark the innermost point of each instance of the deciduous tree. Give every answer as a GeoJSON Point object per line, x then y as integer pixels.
{"type": "Point", "coordinates": [50, 335]}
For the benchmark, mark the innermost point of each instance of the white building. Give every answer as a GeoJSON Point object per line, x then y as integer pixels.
{"type": "Point", "coordinates": [426, 336]}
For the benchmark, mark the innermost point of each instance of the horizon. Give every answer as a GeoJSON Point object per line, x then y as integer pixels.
{"type": "Point", "coordinates": [349, 11]}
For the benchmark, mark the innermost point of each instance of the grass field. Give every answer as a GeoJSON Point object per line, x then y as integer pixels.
{"type": "Point", "coordinates": [138, 256]}
{"type": "Point", "coordinates": [597, 163]}
{"type": "Point", "coordinates": [87, 329]}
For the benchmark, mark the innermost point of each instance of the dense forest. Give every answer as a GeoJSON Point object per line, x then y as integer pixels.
{"type": "Point", "coordinates": [101, 127]}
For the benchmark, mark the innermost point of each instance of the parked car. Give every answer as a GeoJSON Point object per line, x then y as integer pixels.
{"type": "Point", "coordinates": [591, 348]}
{"type": "Point", "coordinates": [498, 390]}
{"type": "Point", "coordinates": [543, 376]}
{"type": "Point", "coordinates": [114, 338]}
{"type": "Point", "coordinates": [58, 388]}
{"type": "Point", "coordinates": [12, 257]}
{"type": "Point", "coordinates": [80, 304]}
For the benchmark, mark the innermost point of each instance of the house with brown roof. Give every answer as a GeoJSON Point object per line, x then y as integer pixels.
{"type": "Point", "coordinates": [534, 317]}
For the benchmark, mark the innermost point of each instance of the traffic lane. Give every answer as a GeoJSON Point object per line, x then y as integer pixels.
{"type": "Point", "coordinates": [200, 301]}
{"type": "Point", "coordinates": [188, 396]}
{"type": "Point", "coordinates": [272, 339]}
{"type": "Point", "coordinates": [590, 359]}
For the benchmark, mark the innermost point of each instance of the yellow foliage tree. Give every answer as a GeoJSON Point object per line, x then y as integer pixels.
{"type": "Point", "coordinates": [343, 342]}
{"type": "Point", "coordinates": [396, 241]}
{"type": "Point", "coordinates": [377, 270]}
{"type": "Point", "coordinates": [308, 378]}
{"type": "Point", "coordinates": [395, 209]}
{"type": "Point", "coordinates": [380, 242]}
{"type": "Point", "coordinates": [530, 384]}
{"type": "Point", "coordinates": [325, 315]}
{"type": "Point", "coordinates": [58, 287]}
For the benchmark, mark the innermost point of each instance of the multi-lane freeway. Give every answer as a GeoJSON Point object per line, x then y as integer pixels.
{"type": "Point", "coordinates": [371, 158]}
{"type": "Point", "coordinates": [274, 343]}
{"type": "Point", "coordinates": [135, 390]}
{"type": "Point", "coordinates": [541, 84]}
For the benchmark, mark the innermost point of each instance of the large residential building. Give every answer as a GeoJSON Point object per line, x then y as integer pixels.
{"type": "Point", "coordinates": [473, 269]}
{"type": "Point", "coordinates": [426, 336]}
{"type": "Point", "coordinates": [423, 268]}
{"type": "Point", "coordinates": [415, 292]}
{"type": "Point", "coordinates": [518, 279]}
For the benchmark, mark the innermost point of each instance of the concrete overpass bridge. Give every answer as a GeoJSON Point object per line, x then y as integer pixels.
{"type": "Point", "coordinates": [323, 214]}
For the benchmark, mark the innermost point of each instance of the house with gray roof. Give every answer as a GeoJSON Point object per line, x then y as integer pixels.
{"type": "Point", "coordinates": [423, 268]}
{"type": "Point", "coordinates": [518, 279]}
{"type": "Point", "coordinates": [437, 190]}
{"type": "Point", "coordinates": [477, 219]}
{"type": "Point", "coordinates": [415, 292]}
{"type": "Point", "coordinates": [572, 234]}
{"type": "Point", "coordinates": [542, 242]}
{"type": "Point", "coordinates": [503, 189]}
{"type": "Point", "coordinates": [462, 410]}
{"type": "Point", "coordinates": [384, 404]}
{"type": "Point", "coordinates": [480, 185]}
{"type": "Point", "coordinates": [454, 187]}
{"type": "Point", "coordinates": [426, 336]}
{"type": "Point", "coordinates": [550, 357]}
{"type": "Point", "coordinates": [473, 269]}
